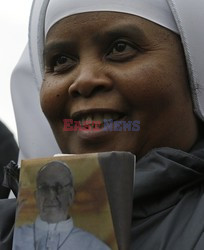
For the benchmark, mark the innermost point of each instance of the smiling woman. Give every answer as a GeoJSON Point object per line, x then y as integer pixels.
{"type": "Point", "coordinates": [117, 65]}
{"type": "Point", "coordinates": [125, 61]}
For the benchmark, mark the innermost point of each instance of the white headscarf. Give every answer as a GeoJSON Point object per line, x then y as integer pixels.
{"type": "Point", "coordinates": [157, 11]}
{"type": "Point", "coordinates": [181, 16]}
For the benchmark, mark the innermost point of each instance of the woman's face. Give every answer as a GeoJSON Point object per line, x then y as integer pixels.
{"type": "Point", "coordinates": [117, 66]}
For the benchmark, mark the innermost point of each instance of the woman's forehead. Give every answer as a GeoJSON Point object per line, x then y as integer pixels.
{"type": "Point", "coordinates": [105, 22]}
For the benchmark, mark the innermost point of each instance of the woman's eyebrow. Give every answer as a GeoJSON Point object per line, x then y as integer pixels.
{"type": "Point", "coordinates": [128, 30]}
{"type": "Point", "coordinates": [57, 46]}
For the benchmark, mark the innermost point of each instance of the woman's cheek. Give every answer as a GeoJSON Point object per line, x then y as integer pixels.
{"type": "Point", "coordinates": [142, 85]}
{"type": "Point", "coordinates": [51, 98]}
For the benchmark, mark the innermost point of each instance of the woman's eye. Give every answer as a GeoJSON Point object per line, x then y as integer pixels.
{"type": "Point", "coordinates": [61, 63]}
{"type": "Point", "coordinates": [119, 47]}
{"type": "Point", "coordinates": [121, 50]}
{"type": "Point", "coordinates": [61, 60]}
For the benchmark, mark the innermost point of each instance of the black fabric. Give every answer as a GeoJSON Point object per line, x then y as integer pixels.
{"type": "Point", "coordinates": [8, 152]}
{"type": "Point", "coordinates": [11, 177]}
{"type": "Point", "coordinates": [8, 206]}
{"type": "Point", "coordinates": [168, 211]}
{"type": "Point", "coordinates": [7, 213]}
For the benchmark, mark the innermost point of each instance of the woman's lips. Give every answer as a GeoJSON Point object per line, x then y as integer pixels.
{"type": "Point", "coordinates": [92, 122]}
{"type": "Point", "coordinates": [99, 128]}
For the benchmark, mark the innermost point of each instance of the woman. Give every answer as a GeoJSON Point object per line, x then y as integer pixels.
{"type": "Point", "coordinates": [124, 60]}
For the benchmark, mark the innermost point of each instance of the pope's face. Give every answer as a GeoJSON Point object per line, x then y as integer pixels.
{"type": "Point", "coordinates": [54, 194]}
{"type": "Point", "coordinates": [122, 67]}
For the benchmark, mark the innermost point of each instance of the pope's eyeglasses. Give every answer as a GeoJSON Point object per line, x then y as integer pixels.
{"type": "Point", "coordinates": [57, 188]}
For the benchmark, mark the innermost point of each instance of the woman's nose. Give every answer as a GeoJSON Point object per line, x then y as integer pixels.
{"type": "Point", "coordinates": [91, 80]}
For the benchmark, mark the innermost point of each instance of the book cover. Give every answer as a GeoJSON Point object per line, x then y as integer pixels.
{"type": "Point", "coordinates": [76, 201]}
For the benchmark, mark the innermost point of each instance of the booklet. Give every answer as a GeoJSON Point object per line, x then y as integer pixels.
{"type": "Point", "coordinates": [75, 202]}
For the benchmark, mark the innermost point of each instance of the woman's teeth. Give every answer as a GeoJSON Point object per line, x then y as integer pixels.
{"type": "Point", "coordinates": [99, 118]}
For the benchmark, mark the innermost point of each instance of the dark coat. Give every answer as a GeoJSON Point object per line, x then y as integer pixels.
{"type": "Point", "coordinates": [8, 152]}
{"type": "Point", "coordinates": [168, 211]}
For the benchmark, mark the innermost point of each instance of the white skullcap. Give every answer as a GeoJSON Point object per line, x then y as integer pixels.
{"type": "Point", "coordinates": [157, 11]}
{"type": "Point", "coordinates": [35, 136]}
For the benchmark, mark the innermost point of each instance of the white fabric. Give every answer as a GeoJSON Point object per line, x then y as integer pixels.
{"type": "Point", "coordinates": [34, 133]}
{"type": "Point", "coordinates": [157, 11]}
{"type": "Point", "coordinates": [35, 136]}
{"type": "Point", "coordinates": [62, 235]}
{"type": "Point", "coordinates": [189, 16]}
